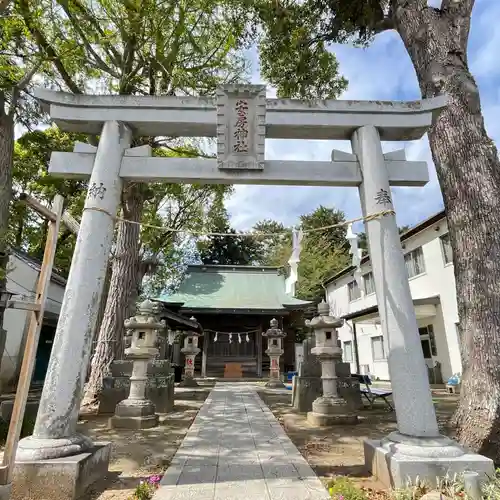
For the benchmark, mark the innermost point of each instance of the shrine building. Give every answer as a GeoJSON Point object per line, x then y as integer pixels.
{"type": "Point", "coordinates": [234, 305]}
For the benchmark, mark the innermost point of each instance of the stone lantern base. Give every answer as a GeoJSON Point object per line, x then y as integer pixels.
{"type": "Point", "coordinates": [134, 414]}
{"type": "Point", "coordinates": [275, 384]}
{"type": "Point", "coordinates": [188, 382]}
{"type": "Point", "coordinates": [328, 411]}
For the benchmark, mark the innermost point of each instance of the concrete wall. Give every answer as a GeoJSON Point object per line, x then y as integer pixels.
{"type": "Point", "coordinates": [437, 280]}
{"type": "Point", "coordinates": [22, 279]}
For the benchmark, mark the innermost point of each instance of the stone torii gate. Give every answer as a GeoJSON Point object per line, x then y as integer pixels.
{"type": "Point", "coordinates": [241, 118]}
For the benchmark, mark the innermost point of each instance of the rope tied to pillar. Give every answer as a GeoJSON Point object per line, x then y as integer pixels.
{"type": "Point", "coordinates": [255, 234]}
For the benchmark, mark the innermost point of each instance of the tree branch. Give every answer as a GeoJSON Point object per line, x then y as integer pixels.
{"type": "Point", "coordinates": [76, 25]}
{"type": "Point", "coordinates": [115, 55]}
{"type": "Point", "coordinates": [21, 85]}
{"type": "Point", "coordinates": [460, 8]}
{"type": "Point", "coordinates": [188, 153]}
{"type": "Point", "coordinates": [46, 47]}
{"type": "Point", "coordinates": [385, 24]}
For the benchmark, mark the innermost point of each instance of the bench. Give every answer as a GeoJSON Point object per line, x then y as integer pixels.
{"type": "Point", "coordinates": [372, 393]}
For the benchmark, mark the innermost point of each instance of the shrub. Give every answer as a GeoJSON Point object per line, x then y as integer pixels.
{"type": "Point", "coordinates": [448, 486]}
{"type": "Point", "coordinates": [491, 489]}
{"type": "Point", "coordinates": [145, 489]}
{"type": "Point", "coordinates": [343, 488]}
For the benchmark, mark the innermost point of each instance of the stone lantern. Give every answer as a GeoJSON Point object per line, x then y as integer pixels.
{"type": "Point", "coordinates": [274, 351]}
{"type": "Point", "coordinates": [190, 350]}
{"type": "Point", "coordinates": [329, 408]}
{"type": "Point", "coordinates": [137, 412]}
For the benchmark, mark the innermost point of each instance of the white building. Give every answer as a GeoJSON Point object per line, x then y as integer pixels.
{"type": "Point", "coordinates": [22, 280]}
{"type": "Point", "coordinates": [429, 264]}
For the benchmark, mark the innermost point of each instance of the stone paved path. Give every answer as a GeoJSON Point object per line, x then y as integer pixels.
{"type": "Point", "coordinates": [237, 449]}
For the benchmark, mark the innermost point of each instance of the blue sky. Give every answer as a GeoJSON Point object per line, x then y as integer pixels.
{"type": "Point", "coordinates": [381, 72]}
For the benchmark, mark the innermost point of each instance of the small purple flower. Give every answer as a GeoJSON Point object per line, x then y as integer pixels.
{"type": "Point", "coordinates": [154, 479]}
{"type": "Point", "coordinates": [341, 497]}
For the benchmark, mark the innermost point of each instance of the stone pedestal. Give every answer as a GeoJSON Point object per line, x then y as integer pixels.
{"type": "Point", "coordinates": [176, 352]}
{"type": "Point", "coordinates": [66, 478]}
{"type": "Point", "coordinates": [159, 385]}
{"type": "Point", "coordinates": [274, 350]}
{"type": "Point", "coordinates": [307, 384]}
{"type": "Point", "coordinates": [397, 459]}
{"type": "Point", "coordinates": [190, 351]}
{"type": "Point", "coordinates": [130, 414]}
{"type": "Point", "coordinates": [138, 412]}
{"type": "Point", "coordinates": [330, 408]}
{"type": "Point", "coordinates": [417, 450]}
{"type": "Point", "coordinates": [348, 387]}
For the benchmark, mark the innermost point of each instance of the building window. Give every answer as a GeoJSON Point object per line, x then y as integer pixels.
{"type": "Point", "coordinates": [354, 291]}
{"type": "Point", "coordinates": [446, 248]}
{"type": "Point", "coordinates": [378, 351]}
{"type": "Point", "coordinates": [414, 262]}
{"type": "Point", "coordinates": [348, 352]}
{"type": "Point", "coordinates": [369, 283]}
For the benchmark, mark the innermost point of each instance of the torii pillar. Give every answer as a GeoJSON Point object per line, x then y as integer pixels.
{"type": "Point", "coordinates": [55, 433]}
{"type": "Point", "coordinates": [416, 449]}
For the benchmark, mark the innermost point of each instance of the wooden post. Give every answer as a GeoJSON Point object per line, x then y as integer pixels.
{"type": "Point", "coordinates": [36, 310]}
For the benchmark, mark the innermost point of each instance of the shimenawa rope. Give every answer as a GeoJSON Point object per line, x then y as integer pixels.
{"type": "Point", "coordinates": [369, 217]}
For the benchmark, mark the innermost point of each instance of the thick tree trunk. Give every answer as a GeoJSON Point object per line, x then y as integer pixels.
{"type": "Point", "coordinates": [6, 151]}
{"type": "Point", "coordinates": [100, 313]}
{"type": "Point", "coordinates": [468, 170]}
{"type": "Point", "coordinates": [123, 280]}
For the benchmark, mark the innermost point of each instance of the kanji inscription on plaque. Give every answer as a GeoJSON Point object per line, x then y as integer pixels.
{"type": "Point", "coordinates": [241, 127]}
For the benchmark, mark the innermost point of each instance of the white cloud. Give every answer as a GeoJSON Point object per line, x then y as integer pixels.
{"type": "Point", "coordinates": [382, 71]}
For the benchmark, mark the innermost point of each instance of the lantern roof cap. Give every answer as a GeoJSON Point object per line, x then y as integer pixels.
{"type": "Point", "coordinates": [274, 331]}
{"type": "Point", "coordinates": [323, 319]}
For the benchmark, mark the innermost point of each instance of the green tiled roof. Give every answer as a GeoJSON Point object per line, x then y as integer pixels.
{"type": "Point", "coordinates": [233, 287]}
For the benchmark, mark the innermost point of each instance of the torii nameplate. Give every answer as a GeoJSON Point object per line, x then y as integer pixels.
{"type": "Point", "coordinates": [241, 127]}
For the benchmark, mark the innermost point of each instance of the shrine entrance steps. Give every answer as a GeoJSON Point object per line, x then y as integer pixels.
{"type": "Point", "coordinates": [236, 449]}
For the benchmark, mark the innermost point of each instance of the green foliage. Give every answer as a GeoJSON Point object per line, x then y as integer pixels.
{"type": "Point", "coordinates": [343, 488]}
{"type": "Point", "coordinates": [149, 47]}
{"type": "Point", "coordinates": [316, 265]}
{"type": "Point", "coordinates": [224, 249]}
{"type": "Point", "coordinates": [144, 491]}
{"type": "Point", "coordinates": [27, 230]}
{"type": "Point", "coordinates": [275, 249]}
{"type": "Point", "coordinates": [288, 61]}
{"type": "Point", "coordinates": [324, 252]}
{"type": "Point", "coordinates": [19, 60]}
{"type": "Point", "coordinates": [491, 489]}
{"type": "Point", "coordinates": [448, 486]}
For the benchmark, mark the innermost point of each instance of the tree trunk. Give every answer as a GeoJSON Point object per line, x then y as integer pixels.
{"type": "Point", "coordinates": [6, 151]}
{"type": "Point", "coordinates": [100, 313]}
{"type": "Point", "coordinates": [468, 170]}
{"type": "Point", "coordinates": [123, 279]}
